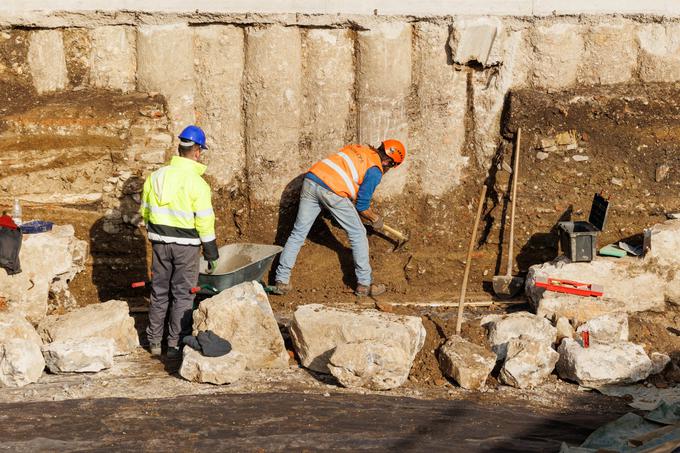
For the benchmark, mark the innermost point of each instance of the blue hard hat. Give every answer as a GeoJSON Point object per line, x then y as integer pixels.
{"type": "Point", "coordinates": [194, 134]}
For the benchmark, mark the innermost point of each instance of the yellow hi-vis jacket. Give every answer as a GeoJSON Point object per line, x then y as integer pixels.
{"type": "Point", "coordinates": [177, 206]}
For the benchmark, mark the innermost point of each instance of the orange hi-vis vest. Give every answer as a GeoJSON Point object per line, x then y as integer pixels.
{"type": "Point", "coordinates": [344, 171]}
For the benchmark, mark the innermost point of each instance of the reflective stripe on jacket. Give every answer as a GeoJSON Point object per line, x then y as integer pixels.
{"type": "Point", "coordinates": [344, 171]}
{"type": "Point", "coordinates": [177, 206]}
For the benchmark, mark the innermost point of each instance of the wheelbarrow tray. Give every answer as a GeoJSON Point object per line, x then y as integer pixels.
{"type": "Point", "coordinates": [238, 263]}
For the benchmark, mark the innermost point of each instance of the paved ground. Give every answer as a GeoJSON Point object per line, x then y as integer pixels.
{"type": "Point", "coordinates": [285, 421]}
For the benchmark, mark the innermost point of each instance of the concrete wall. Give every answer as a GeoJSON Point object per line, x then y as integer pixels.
{"type": "Point", "coordinates": [279, 92]}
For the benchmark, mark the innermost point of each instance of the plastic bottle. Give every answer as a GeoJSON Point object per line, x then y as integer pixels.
{"type": "Point", "coordinates": [16, 212]}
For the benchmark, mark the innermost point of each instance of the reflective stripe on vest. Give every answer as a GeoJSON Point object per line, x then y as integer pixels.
{"type": "Point", "coordinates": [344, 171]}
{"type": "Point", "coordinates": [343, 175]}
{"type": "Point", "coordinates": [173, 240]}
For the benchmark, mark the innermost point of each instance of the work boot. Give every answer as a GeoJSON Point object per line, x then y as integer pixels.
{"type": "Point", "coordinates": [155, 349]}
{"type": "Point", "coordinates": [281, 289]}
{"type": "Point", "coordinates": [174, 353]}
{"type": "Point", "coordinates": [374, 289]}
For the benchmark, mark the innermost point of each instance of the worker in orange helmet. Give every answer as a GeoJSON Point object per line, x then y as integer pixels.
{"type": "Point", "coordinates": [344, 184]}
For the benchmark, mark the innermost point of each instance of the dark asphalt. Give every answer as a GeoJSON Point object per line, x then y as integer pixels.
{"type": "Point", "coordinates": [274, 422]}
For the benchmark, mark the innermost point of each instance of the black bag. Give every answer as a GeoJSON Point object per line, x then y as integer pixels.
{"type": "Point", "coordinates": [10, 246]}
{"type": "Point", "coordinates": [208, 343]}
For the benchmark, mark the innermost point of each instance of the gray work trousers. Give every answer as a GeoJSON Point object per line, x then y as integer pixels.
{"type": "Point", "coordinates": [174, 272]}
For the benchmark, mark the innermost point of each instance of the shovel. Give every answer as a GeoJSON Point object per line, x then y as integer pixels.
{"type": "Point", "coordinates": [506, 286]}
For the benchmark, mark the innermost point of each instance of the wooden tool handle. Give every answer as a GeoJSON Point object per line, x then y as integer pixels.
{"type": "Point", "coordinates": [399, 235]}
{"type": "Point", "coordinates": [515, 172]}
{"type": "Point", "coordinates": [468, 261]}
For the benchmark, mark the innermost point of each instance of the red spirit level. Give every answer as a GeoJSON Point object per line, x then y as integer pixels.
{"type": "Point", "coordinates": [569, 287]}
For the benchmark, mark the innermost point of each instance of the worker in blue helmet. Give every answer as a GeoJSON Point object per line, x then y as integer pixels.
{"type": "Point", "coordinates": [178, 214]}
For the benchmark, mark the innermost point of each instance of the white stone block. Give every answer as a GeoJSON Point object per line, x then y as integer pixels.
{"type": "Point", "coordinates": [47, 60]}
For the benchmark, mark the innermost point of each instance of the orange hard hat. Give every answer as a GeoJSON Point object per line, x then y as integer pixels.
{"type": "Point", "coordinates": [395, 150]}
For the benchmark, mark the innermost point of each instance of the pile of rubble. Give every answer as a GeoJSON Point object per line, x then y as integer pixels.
{"type": "Point", "coordinates": [83, 340]}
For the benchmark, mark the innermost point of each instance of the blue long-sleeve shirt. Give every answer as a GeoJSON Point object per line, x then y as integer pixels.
{"type": "Point", "coordinates": [371, 180]}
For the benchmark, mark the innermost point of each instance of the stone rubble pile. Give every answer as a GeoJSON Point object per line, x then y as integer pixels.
{"type": "Point", "coordinates": [49, 261]}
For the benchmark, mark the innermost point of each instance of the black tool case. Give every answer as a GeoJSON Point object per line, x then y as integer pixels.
{"type": "Point", "coordinates": [578, 240]}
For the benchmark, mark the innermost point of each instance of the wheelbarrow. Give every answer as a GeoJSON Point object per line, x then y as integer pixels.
{"type": "Point", "coordinates": [238, 263]}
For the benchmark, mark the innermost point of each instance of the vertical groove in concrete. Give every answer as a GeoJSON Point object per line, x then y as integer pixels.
{"type": "Point", "coordinates": [384, 84]}
{"type": "Point", "coordinates": [273, 96]}
{"type": "Point", "coordinates": [219, 59]}
{"type": "Point", "coordinates": [328, 85]}
{"type": "Point", "coordinates": [113, 61]}
{"type": "Point", "coordinates": [438, 132]}
{"type": "Point", "coordinates": [47, 61]}
{"type": "Point", "coordinates": [165, 64]}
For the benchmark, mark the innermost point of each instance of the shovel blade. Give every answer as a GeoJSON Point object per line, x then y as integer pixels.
{"type": "Point", "coordinates": [506, 286]}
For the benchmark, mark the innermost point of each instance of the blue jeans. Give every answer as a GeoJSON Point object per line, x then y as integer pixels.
{"type": "Point", "coordinates": [312, 198]}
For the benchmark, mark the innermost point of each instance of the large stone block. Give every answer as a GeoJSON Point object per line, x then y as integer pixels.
{"type": "Point", "coordinates": [328, 87]}
{"type": "Point", "coordinates": [225, 369]}
{"type": "Point", "coordinates": [219, 60]}
{"type": "Point", "coordinates": [473, 38]}
{"type": "Point", "coordinates": [78, 355]}
{"type": "Point", "coordinates": [317, 331]}
{"type": "Point", "coordinates": [490, 88]}
{"type": "Point", "coordinates": [106, 320]}
{"type": "Point", "coordinates": [21, 363]}
{"type": "Point", "coordinates": [663, 259]}
{"type": "Point", "coordinates": [369, 364]}
{"type": "Point", "coordinates": [383, 89]}
{"type": "Point", "coordinates": [113, 60]}
{"type": "Point", "coordinates": [47, 60]}
{"type": "Point", "coordinates": [659, 47]}
{"type": "Point", "coordinates": [602, 363]}
{"type": "Point", "coordinates": [466, 363]}
{"type": "Point", "coordinates": [48, 261]}
{"type": "Point", "coordinates": [558, 50]}
{"type": "Point", "coordinates": [528, 362]}
{"type": "Point", "coordinates": [438, 134]}
{"type": "Point", "coordinates": [502, 329]}
{"type": "Point", "coordinates": [242, 315]}
{"type": "Point", "coordinates": [165, 64]}
{"type": "Point", "coordinates": [627, 288]}
{"type": "Point", "coordinates": [610, 54]}
{"type": "Point", "coordinates": [273, 97]}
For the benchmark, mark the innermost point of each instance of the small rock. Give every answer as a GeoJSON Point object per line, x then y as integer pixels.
{"type": "Point", "coordinates": [21, 363]}
{"type": "Point", "coordinates": [617, 182]}
{"type": "Point", "coordinates": [607, 328]}
{"type": "Point", "coordinates": [542, 155]}
{"type": "Point", "coordinates": [659, 362]}
{"type": "Point", "coordinates": [564, 329]}
{"type": "Point", "coordinates": [79, 355]}
{"type": "Point", "coordinates": [466, 363]}
{"type": "Point", "coordinates": [369, 364]}
{"type": "Point", "coordinates": [226, 369]}
{"type": "Point", "coordinates": [528, 363]}
{"type": "Point", "coordinates": [580, 158]}
{"type": "Point", "coordinates": [661, 172]}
